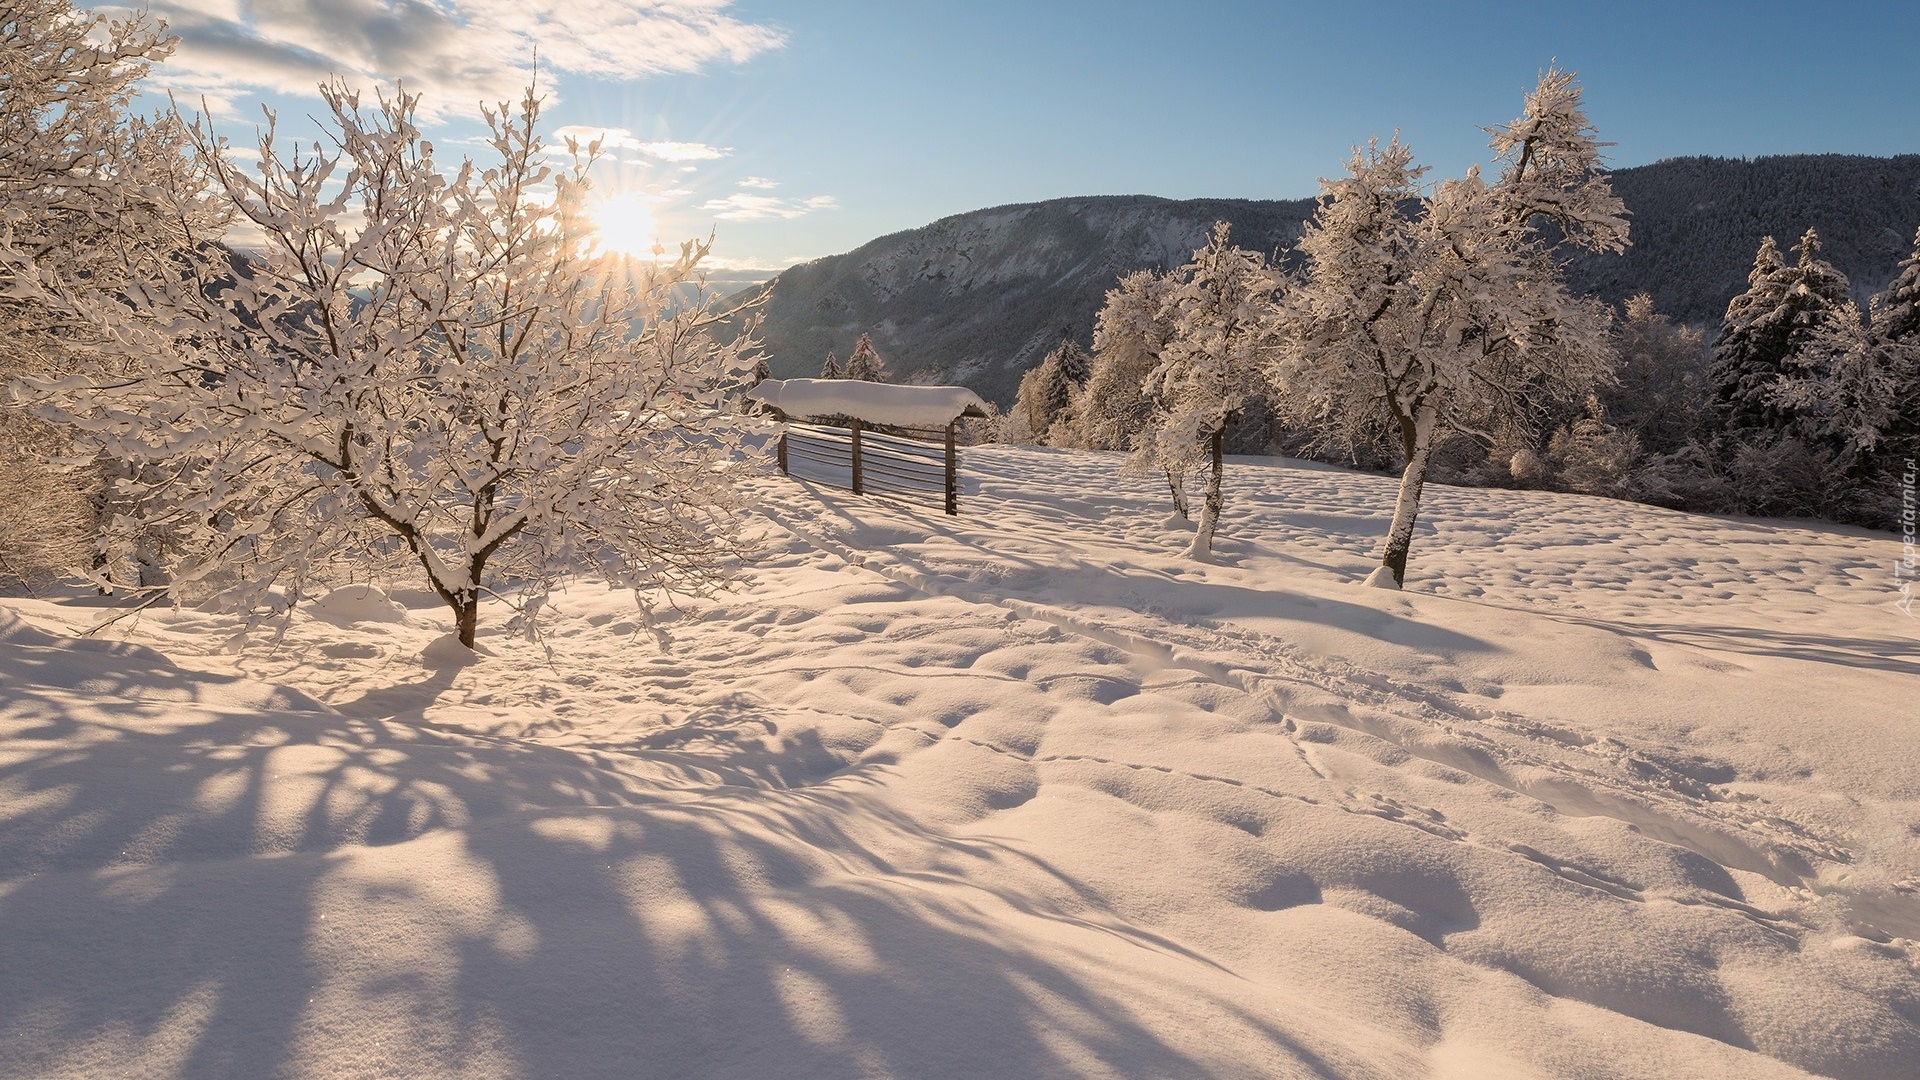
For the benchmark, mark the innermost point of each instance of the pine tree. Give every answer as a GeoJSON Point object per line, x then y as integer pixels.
{"type": "Point", "coordinates": [864, 363]}
{"type": "Point", "coordinates": [1660, 391]}
{"type": "Point", "coordinates": [831, 369]}
{"type": "Point", "coordinates": [1776, 320]}
{"type": "Point", "coordinates": [1896, 312]}
{"type": "Point", "coordinates": [1895, 316]}
{"type": "Point", "coordinates": [1045, 397]}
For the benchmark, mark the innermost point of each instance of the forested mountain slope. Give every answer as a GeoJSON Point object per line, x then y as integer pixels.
{"type": "Point", "coordinates": [978, 298]}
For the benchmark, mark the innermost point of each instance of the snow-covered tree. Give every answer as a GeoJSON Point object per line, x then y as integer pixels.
{"type": "Point", "coordinates": [1660, 390]}
{"type": "Point", "coordinates": [1786, 306]}
{"type": "Point", "coordinates": [830, 369]}
{"type": "Point", "coordinates": [429, 363]}
{"type": "Point", "coordinates": [1842, 385]}
{"type": "Point", "coordinates": [1218, 312]}
{"type": "Point", "coordinates": [864, 364]}
{"type": "Point", "coordinates": [1128, 334]}
{"type": "Point", "coordinates": [102, 194]}
{"type": "Point", "coordinates": [1895, 320]}
{"type": "Point", "coordinates": [1896, 312]}
{"type": "Point", "coordinates": [1447, 312]}
{"type": "Point", "coordinates": [1045, 396]}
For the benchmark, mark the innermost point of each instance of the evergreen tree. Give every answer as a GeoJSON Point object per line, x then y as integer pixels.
{"type": "Point", "coordinates": [1776, 320]}
{"type": "Point", "coordinates": [1046, 394]}
{"type": "Point", "coordinates": [1896, 312]}
{"type": "Point", "coordinates": [1660, 392]}
{"type": "Point", "coordinates": [1896, 330]}
{"type": "Point", "coordinates": [864, 363]}
{"type": "Point", "coordinates": [831, 369]}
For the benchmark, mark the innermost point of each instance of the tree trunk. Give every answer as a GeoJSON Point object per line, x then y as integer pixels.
{"type": "Point", "coordinates": [1417, 436]}
{"type": "Point", "coordinates": [1177, 484]}
{"type": "Point", "coordinates": [466, 614]}
{"type": "Point", "coordinates": [1210, 509]}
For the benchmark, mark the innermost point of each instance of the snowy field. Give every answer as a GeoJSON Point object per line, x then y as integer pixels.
{"type": "Point", "coordinates": [1606, 792]}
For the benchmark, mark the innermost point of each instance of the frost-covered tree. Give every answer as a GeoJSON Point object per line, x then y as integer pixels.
{"type": "Point", "coordinates": [1447, 312]}
{"type": "Point", "coordinates": [1218, 312]}
{"type": "Point", "coordinates": [1895, 322]}
{"type": "Point", "coordinates": [1660, 391]}
{"type": "Point", "coordinates": [830, 369]}
{"type": "Point", "coordinates": [1896, 312]}
{"type": "Point", "coordinates": [429, 363]}
{"type": "Point", "coordinates": [1128, 334]}
{"type": "Point", "coordinates": [864, 364]}
{"type": "Point", "coordinates": [1786, 306]}
{"type": "Point", "coordinates": [1045, 396]}
{"type": "Point", "coordinates": [1841, 385]}
{"type": "Point", "coordinates": [100, 193]}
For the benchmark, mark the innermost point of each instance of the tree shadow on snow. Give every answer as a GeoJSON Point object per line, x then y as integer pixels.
{"type": "Point", "coordinates": [261, 892]}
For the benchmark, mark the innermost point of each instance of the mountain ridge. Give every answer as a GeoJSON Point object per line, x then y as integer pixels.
{"type": "Point", "coordinates": [979, 297]}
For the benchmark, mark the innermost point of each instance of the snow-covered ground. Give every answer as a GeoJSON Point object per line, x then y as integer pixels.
{"type": "Point", "coordinates": [1607, 792]}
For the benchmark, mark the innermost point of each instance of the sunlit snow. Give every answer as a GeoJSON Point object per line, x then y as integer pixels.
{"type": "Point", "coordinates": [1607, 791]}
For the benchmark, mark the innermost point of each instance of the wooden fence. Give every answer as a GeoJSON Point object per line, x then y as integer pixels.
{"type": "Point", "coordinates": [912, 464]}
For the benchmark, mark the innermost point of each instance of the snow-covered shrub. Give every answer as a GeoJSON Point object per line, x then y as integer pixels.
{"type": "Point", "coordinates": [1592, 457]}
{"type": "Point", "coordinates": [1525, 467]}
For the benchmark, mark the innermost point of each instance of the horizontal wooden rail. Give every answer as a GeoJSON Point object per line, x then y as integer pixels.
{"type": "Point", "coordinates": [867, 461]}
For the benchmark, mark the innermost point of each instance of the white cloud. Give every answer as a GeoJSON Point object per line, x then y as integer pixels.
{"type": "Point", "coordinates": [683, 151]}
{"type": "Point", "coordinates": [757, 182]}
{"type": "Point", "coordinates": [617, 139]}
{"type": "Point", "coordinates": [458, 53]}
{"type": "Point", "coordinates": [741, 206]}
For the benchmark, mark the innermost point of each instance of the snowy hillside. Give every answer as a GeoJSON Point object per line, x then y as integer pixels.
{"type": "Point", "coordinates": [1609, 791]}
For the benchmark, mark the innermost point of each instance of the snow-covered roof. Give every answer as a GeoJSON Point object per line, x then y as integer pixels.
{"type": "Point", "coordinates": [868, 402]}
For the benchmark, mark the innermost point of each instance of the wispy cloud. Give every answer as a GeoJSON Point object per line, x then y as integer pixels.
{"type": "Point", "coordinates": [618, 139]}
{"type": "Point", "coordinates": [741, 206]}
{"type": "Point", "coordinates": [458, 53]}
{"type": "Point", "coordinates": [758, 183]}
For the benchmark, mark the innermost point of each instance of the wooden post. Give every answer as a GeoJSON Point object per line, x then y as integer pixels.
{"type": "Point", "coordinates": [856, 459]}
{"type": "Point", "coordinates": [783, 450]}
{"type": "Point", "coordinates": [953, 482]}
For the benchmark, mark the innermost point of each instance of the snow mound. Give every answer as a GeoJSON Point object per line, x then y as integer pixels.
{"type": "Point", "coordinates": [1381, 578]}
{"type": "Point", "coordinates": [358, 603]}
{"type": "Point", "coordinates": [446, 651]}
{"type": "Point", "coordinates": [870, 403]}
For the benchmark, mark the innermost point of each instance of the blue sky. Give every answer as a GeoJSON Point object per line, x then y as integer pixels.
{"type": "Point", "coordinates": [800, 128]}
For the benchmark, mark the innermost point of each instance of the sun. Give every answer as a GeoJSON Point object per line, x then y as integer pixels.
{"type": "Point", "coordinates": [626, 224]}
